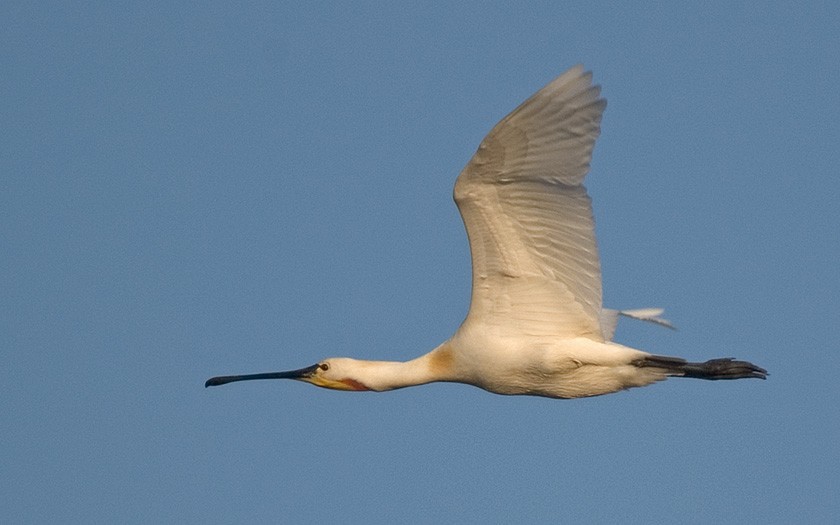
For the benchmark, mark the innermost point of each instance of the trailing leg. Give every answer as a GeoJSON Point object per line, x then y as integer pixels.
{"type": "Point", "coordinates": [722, 368]}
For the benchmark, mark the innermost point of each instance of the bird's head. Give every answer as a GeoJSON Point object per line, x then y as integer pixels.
{"type": "Point", "coordinates": [335, 373]}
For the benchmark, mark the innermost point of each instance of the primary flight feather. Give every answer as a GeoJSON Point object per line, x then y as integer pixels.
{"type": "Point", "coordinates": [536, 325]}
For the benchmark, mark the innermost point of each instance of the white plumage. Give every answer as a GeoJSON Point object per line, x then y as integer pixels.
{"type": "Point", "coordinates": [536, 324]}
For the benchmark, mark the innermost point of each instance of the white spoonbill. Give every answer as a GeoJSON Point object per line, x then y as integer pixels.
{"type": "Point", "coordinates": [535, 324]}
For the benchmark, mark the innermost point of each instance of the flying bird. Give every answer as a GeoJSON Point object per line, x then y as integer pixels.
{"type": "Point", "coordinates": [535, 325]}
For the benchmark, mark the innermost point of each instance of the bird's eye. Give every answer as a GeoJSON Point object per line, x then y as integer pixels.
{"type": "Point", "coordinates": [324, 366]}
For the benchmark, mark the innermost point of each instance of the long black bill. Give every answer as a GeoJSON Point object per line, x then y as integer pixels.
{"type": "Point", "coordinates": [291, 374]}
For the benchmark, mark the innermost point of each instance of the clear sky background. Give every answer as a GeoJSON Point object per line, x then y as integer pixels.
{"type": "Point", "coordinates": [194, 189]}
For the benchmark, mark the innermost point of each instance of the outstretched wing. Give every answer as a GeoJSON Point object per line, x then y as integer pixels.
{"type": "Point", "coordinates": [529, 219]}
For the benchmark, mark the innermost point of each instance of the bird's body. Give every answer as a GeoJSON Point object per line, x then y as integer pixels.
{"type": "Point", "coordinates": [536, 325]}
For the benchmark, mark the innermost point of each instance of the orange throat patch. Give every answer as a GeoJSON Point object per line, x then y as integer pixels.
{"type": "Point", "coordinates": [352, 384]}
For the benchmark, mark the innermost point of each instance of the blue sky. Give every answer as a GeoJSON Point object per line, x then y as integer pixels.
{"type": "Point", "coordinates": [193, 189]}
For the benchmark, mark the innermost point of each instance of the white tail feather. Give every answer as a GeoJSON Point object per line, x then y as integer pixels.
{"type": "Point", "coordinates": [609, 319]}
{"type": "Point", "coordinates": [650, 315]}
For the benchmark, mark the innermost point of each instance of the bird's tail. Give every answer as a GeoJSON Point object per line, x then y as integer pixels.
{"type": "Point", "coordinates": [722, 368]}
{"type": "Point", "coordinates": [609, 319]}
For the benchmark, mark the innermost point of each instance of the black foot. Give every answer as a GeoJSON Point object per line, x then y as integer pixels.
{"type": "Point", "coordinates": [723, 368]}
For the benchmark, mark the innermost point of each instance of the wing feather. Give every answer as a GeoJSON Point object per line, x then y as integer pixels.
{"type": "Point", "coordinates": [529, 218]}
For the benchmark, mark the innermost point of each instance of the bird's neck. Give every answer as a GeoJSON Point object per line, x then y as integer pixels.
{"type": "Point", "coordinates": [437, 365]}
